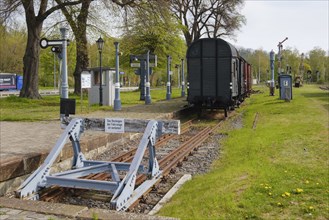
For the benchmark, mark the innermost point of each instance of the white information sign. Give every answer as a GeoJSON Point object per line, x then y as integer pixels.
{"type": "Point", "coordinates": [139, 65]}
{"type": "Point", "coordinates": [85, 80]}
{"type": "Point", "coordinates": [114, 125]}
{"type": "Point", "coordinates": [285, 83]}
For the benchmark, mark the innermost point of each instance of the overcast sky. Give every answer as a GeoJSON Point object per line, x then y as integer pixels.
{"type": "Point", "coordinates": [304, 22]}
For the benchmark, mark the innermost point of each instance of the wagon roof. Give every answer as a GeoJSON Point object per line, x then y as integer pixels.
{"type": "Point", "coordinates": [233, 51]}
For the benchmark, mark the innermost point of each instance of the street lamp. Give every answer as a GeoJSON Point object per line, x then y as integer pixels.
{"type": "Point", "coordinates": [147, 84]}
{"type": "Point", "coordinates": [100, 45]}
{"type": "Point", "coordinates": [183, 80]}
{"type": "Point", "coordinates": [177, 66]}
{"type": "Point", "coordinates": [168, 94]}
{"type": "Point", "coordinates": [117, 101]}
{"type": "Point", "coordinates": [272, 59]}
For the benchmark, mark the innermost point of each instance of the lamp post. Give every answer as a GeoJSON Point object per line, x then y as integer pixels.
{"type": "Point", "coordinates": [100, 44]}
{"type": "Point", "coordinates": [65, 85]}
{"type": "Point", "coordinates": [301, 66]}
{"type": "Point", "coordinates": [168, 95]}
{"type": "Point", "coordinates": [183, 80]}
{"type": "Point", "coordinates": [272, 59]}
{"type": "Point", "coordinates": [117, 101]}
{"type": "Point", "coordinates": [147, 84]}
{"type": "Point", "coordinates": [54, 70]}
{"type": "Point", "coordinates": [177, 66]}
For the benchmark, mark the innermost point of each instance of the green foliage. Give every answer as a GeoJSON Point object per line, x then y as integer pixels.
{"type": "Point", "coordinates": [12, 49]}
{"type": "Point", "coordinates": [153, 29]}
{"type": "Point", "coordinates": [292, 59]}
{"type": "Point", "coordinates": [318, 62]}
{"type": "Point", "coordinates": [95, 216]}
{"type": "Point", "coordinates": [259, 60]}
{"type": "Point", "coordinates": [279, 170]}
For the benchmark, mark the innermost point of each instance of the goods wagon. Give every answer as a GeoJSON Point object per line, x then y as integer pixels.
{"type": "Point", "coordinates": [218, 77]}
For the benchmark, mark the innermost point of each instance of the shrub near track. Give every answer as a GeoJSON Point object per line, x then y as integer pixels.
{"type": "Point", "coordinates": [277, 170]}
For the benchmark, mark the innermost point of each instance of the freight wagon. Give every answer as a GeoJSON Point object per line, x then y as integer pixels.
{"type": "Point", "coordinates": [219, 78]}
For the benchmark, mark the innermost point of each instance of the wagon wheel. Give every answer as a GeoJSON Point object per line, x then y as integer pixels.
{"type": "Point", "coordinates": [199, 111]}
{"type": "Point", "coordinates": [225, 111]}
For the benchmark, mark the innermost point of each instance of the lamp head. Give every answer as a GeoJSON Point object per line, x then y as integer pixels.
{"type": "Point", "coordinates": [100, 44]}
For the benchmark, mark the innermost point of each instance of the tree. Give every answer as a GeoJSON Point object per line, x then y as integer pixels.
{"type": "Point", "coordinates": [152, 27]}
{"type": "Point", "coordinates": [317, 60]}
{"type": "Point", "coordinates": [211, 18]}
{"type": "Point", "coordinates": [34, 23]}
{"type": "Point", "coordinates": [259, 59]}
{"type": "Point", "coordinates": [77, 18]}
{"type": "Point", "coordinates": [291, 59]}
{"type": "Point", "coordinates": [12, 46]}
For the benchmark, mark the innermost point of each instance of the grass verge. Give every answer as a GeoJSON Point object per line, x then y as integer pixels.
{"type": "Point", "coordinates": [277, 170]}
{"type": "Point", "coordinates": [13, 108]}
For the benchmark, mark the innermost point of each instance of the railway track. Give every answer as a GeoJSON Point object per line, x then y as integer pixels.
{"type": "Point", "coordinates": [168, 159]}
{"type": "Point", "coordinates": [54, 193]}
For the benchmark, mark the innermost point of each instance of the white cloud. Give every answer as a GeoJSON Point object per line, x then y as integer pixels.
{"type": "Point", "coordinates": [305, 23]}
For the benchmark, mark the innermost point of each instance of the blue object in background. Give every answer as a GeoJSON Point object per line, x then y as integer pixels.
{"type": "Point", "coordinates": [19, 82]}
{"type": "Point", "coordinates": [285, 83]}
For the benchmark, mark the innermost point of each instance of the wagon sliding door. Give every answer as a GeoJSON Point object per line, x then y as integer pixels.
{"type": "Point", "coordinates": [225, 69]}
{"type": "Point", "coordinates": [194, 77]}
{"type": "Point", "coordinates": [209, 73]}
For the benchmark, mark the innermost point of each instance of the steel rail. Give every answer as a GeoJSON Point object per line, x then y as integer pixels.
{"type": "Point", "coordinates": [128, 156]}
{"type": "Point", "coordinates": [176, 156]}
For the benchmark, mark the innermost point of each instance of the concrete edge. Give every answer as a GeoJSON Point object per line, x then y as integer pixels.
{"type": "Point", "coordinates": [42, 207]}
{"type": "Point", "coordinates": [72, 211]}
{"type": "Point", "coordinates": [170, 193]}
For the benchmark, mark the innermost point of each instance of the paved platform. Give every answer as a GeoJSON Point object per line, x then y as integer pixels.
{"type": "Point", "coordinates": [24, 145]}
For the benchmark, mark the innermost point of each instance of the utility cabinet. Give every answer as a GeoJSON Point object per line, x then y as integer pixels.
{"type": "Point", "coordinates": [285, 87]}
{"type": "Point", "coordinates": [108, 81]}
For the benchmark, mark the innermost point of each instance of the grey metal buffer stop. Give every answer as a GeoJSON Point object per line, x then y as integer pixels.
{"type": "Point", "coordinates": [124, 191]}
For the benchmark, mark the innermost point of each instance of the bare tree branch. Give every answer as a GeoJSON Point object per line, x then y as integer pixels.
{"type": "Point", "coordinates": [212, 18]}
{"type": "Point", "coordinates": [7, 7]}
{"type": "Point", "coordinates": [124, 3]}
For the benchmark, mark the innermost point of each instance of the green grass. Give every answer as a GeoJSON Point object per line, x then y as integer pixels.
{"type": "Point", "coordinates": [21, 109]}
{"type": "Point", "coordinates": [261, 172]}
